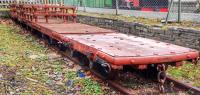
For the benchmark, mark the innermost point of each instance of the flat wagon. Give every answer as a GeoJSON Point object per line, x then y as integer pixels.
{"type": "Point", "coordinates": [101, 49]}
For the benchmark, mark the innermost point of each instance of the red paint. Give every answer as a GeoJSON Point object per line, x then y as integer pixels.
{"type": "Point", "coordinates": [115, 48]}
{"type": "Point", "coordinates": [163, 9]}
{"type": "Point", "coordinates": [147, 9]}
{"type": "Point", "coordinates": [136, 3]}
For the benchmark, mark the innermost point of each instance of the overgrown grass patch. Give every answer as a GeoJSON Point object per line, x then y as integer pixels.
{"type": "Point", "coordinates": [30, 59]}
{"type": "Point", "coordinates": [187, 72]}
{"type": "Point", "coordinates": [88, 86]}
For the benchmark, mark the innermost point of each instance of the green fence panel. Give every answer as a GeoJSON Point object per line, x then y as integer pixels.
{"type": "Point", "coordinates": [108, 3]}
{"type": "Point", "coordinates": [91, 3]}
{"type": "Point", "coordinates": [70, 2]}
{"type": "Point", "coordinates": [96, 4]}
{"type": "Point", "coordinates": [102, 3]}
{"type": "Point", "coordinates": [87, 3]}
{"type": "Point", "coordinates": [75, 2]}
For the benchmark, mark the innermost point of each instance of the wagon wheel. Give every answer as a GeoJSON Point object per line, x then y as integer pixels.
{"type": "Point", "coordinates": [103, 69]}
{"type": "Point", "coordinates": [51, 41]}
{"type": "Point", "coordinates": [152, 71]}
{"type": "Point", "coordinates": [161, 77]}
{"type": "Point", "coordinates": [83, 60]}
{"type": "Point", "coordinates": [61, 46]}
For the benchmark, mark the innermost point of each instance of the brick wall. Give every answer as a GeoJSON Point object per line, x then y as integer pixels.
{"type": "Point", "coordinates": [179, 36]}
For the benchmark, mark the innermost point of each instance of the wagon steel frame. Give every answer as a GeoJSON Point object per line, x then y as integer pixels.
{"type": "Point", "coordinates": [41, 17]}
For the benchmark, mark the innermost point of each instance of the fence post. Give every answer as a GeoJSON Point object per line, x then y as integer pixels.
{"type": "Point", "coordinates": [169, 9]}
{"type": "Point", "coordinates": [77, 4]}
{"type": "Point", "coordinates": [179, 11]}
{"type": "Point", "coordinates": [116, 6]}
{"type": "Point", "coordinates": [84, 3]}
{"type": "Point", "coordinates": [62, 2]}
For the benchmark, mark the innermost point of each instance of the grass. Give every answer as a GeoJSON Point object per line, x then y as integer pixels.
{"type": "Point", "coordinates": [188, 72]}
{"type": "Point", "coordinates": [145, 21]}
{"type": "Point", "coordinates": [4, 9]}
{"type": "Point", "coordinates": [33, 68]}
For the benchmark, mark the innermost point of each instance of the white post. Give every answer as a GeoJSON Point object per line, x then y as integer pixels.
{"type": "Point", "coordinates": [198, 6]}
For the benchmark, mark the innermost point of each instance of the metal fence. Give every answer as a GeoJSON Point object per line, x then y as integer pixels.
{"type": "Point", "coordinates": [188, 6]}
{"type": "Point", "coordinates": [175, 10]}
{"type": "Point", "coordinates": [5, 3]}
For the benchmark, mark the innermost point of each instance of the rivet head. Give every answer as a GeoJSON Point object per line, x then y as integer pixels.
{"type": "Point", "coordinates": [132, 61]}
{"type": "Point", "coordinates": [188, 56]}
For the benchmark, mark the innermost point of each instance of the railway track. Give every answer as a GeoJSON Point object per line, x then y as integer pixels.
{"type": "Point", "coordinates": [171, 85]}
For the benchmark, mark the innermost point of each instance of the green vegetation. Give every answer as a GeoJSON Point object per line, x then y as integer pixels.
{"type": "Point", "coordinates": [4, 13]}
{"type": "Point", "coordinates": [34, 70]}
{"type": "Point", "coordinates": [90, 87]}
{"type": "Point", "coordinates": [188, 72]}
{"type": "Point", "coordinates": [4, 9]}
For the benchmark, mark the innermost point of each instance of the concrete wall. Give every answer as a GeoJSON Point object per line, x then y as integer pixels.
{"type": "Point", "coordinates": [179, 36]}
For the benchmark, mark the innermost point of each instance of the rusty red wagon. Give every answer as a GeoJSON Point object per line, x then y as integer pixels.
{"type": "Point", "coordinates": [102, 49]}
